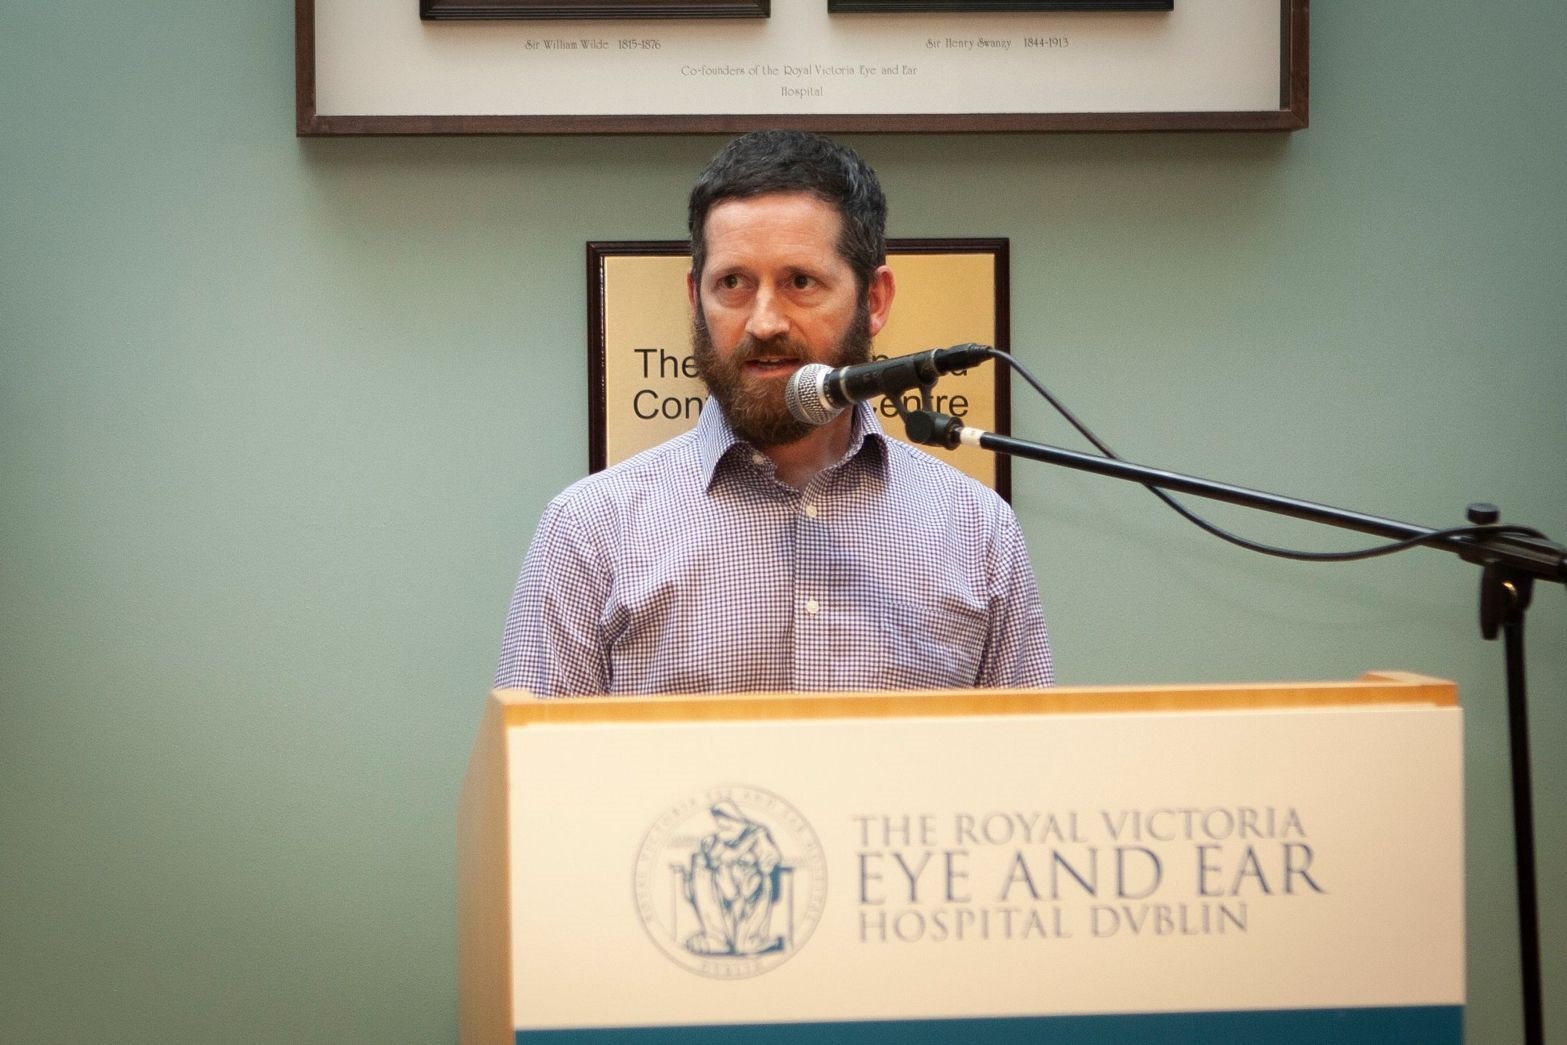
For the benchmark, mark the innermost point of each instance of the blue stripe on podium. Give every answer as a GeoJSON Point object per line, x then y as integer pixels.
{"type": "Point", "coordinates": [1425, 1025]}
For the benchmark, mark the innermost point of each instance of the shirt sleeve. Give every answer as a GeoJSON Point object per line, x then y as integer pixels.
{"type": "Point", "coordinates": [553, 642]}
{"type": "Point", "coordinates": [1017, 647]}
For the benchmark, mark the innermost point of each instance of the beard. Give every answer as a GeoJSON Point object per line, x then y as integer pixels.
{"type": "Point", "coordinates": [755, 409]}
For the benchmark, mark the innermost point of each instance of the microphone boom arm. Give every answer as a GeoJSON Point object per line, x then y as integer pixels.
{"type": "Point", "coordinates": [1533, 556]}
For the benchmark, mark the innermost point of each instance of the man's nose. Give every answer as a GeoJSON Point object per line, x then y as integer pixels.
{"type": "Point", "coordinates": [767, 319]}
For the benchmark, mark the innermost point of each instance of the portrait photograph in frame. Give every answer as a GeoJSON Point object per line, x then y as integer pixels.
{"type": "Point", "coordinates": [642, 383]}
{"type": "Point", "coordinates": [436, 10]}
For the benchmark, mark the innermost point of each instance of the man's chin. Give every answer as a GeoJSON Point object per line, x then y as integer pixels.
{"type": "Point", "coordinates": [774, 429]}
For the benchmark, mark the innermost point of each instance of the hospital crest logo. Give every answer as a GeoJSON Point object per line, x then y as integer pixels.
{"type": "Point", "coordinates": [731, 882]}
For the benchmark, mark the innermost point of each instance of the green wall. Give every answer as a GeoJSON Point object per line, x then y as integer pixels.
{"type": "Point", "coordinates": [271, 448]}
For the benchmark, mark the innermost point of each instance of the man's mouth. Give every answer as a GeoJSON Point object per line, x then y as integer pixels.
{"type": "Point", "coordinates": [768, 366]}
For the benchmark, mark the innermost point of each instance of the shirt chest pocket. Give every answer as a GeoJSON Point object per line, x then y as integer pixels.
{"type": "Point", "coordinates": [934, 645]}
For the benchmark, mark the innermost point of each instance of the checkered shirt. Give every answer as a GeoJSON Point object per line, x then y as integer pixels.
{"type": "Point", "coordinates": [690, 568]}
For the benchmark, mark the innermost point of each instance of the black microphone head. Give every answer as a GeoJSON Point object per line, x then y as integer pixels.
{"type": "Point", "coordinates": [806, 395]}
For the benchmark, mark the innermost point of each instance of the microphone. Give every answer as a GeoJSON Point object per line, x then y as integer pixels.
{"type": "Point", "coordinates": [817, 393]}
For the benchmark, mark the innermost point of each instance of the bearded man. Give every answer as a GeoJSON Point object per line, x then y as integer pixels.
{"type": "Point", "coordinates": [755, 552]}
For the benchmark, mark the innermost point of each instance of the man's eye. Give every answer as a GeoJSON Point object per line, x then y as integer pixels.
{"type": "Point", "coordinates": [730, 282]}
{"type": "Point", "coordinates": [802, 282]}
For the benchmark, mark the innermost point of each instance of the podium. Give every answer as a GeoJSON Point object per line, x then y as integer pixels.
{"type": "Point", "coordinates": [1215, 864]}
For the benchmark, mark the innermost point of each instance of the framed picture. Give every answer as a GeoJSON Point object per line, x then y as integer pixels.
{"type": "Point", "coordinates": [372, 67]}
{"type": "Point", "coordinates": [642, 382]}
{"type": "Point", "coordinates": [558, 9]}
{"type": "Point", "coordinates": [880, 6]}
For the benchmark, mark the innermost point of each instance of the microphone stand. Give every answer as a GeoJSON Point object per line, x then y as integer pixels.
{"type": "Point", "coordinates": [1509, 564]}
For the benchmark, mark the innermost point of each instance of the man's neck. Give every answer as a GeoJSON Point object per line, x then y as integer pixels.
{"type": "Point", "coordinates": [797, 463]}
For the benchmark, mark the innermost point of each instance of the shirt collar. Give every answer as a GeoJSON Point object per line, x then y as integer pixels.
{"type": "Point", "coordinates": [715, 440]}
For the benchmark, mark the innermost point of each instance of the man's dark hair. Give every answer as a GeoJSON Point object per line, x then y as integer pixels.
{"type": "Point", "coordinates": [764, 162]}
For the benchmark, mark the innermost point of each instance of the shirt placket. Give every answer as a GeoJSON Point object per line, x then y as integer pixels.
{"type": "Point", "coordinates": [779, 576]}
{"type": "Point", "coordinates": [813, 590]}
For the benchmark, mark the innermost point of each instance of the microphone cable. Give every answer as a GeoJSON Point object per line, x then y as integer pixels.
{"type": "Point", "coordinates": [1434, 537]}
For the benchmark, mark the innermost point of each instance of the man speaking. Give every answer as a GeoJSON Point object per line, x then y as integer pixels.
{"type": "Point", "coordinates": [757, 551]}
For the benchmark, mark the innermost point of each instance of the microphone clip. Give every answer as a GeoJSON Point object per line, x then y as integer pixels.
{"type": "Point", "coordinates": [926, 426]}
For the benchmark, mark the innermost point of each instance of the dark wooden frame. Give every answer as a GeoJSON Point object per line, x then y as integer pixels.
{"type": "Point", "coordinates": [435, 10]}
{"type": "Point", "coordinates": [1292, 113]}
{"type": "Point", "coordinates": [999, 250]}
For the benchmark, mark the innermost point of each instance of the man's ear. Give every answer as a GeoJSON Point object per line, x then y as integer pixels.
{"type": "Point", "coordinates": [878, 298]}
{"type": "Point", "coordinates": [691, 288]}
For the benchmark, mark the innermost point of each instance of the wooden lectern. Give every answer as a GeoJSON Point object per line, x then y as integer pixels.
{"type": "Point", "coordinates": [1222, 864]}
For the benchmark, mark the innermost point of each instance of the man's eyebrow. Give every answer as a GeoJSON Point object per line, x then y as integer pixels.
{"type": "Point", "coordinates": [807, 268]}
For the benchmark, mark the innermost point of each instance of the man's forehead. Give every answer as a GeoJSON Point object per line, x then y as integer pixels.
{"type": "Point", "coordinates": [772, 226]}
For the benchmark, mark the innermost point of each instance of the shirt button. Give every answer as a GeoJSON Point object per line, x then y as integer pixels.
{"type": "Point", "coordinates": [811, 606]}
{"type": "Point", "coordinates": [810, 511]}
{"type": "Point", "coordinates": [758, 458]}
